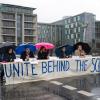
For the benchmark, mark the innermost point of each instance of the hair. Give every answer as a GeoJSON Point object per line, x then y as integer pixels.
{"type": "Point", "coordinates": [78, 46]}
{"type": "Point", "coordinates": [9, 49]}
{"type": "Point", "coordinates": [42, 48]}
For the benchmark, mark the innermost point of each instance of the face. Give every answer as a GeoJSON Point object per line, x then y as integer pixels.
{"type": "Point", "coordinates": [79, 47]}
{"type": "Point", "coordinates": [10, 51]}
{"type": "Point", "coordinates": [43, 49]}
{"type": "Point", "coordinates": [27, 50]}
{"type": "Point", "coordinates": [63, 49]}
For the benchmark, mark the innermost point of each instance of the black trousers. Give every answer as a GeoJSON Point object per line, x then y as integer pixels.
{"type": "Point", "coordinates": [1, 72]}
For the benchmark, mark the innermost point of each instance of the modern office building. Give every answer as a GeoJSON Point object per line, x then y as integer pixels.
{"type": "Point", "coordinates": [80, 28]}
{"type": "Point", "coordinates": [69, 30]}
{"type": "Point", "coordinates": [18, 24]}
{"type": "Point", "coordinates": [49, 32]}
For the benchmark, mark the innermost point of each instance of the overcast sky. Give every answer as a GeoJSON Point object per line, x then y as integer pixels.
{"type": "Point", "coordinates": [52, 10]}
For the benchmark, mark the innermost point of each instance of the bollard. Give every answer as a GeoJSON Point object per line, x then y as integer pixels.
{"type": "Point", "coordinates": [84, 95]}
{"type": "Point", "coordinates": [69, 92]}
{"type": "Point", "coordinates": [55, 87]}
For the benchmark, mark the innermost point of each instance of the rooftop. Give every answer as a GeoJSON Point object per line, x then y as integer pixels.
{"type": "Point", "coordinates": [16, 6]}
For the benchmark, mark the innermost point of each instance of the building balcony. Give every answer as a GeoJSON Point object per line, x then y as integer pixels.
{"type": "Point", "coordinates": [9, 38]}
{"type": "Point", "coordinates": [13, 42]}
{"type": "Point", "coordinates": [28, 35]}
{"type": "Point", "coordinates": [8, 20]}
{"type": "Point", "coordinates": [30, 28]}
{"type": "Point", "coordinates": [8, 27]}
{"type": "Point", "coordinates": [33, 22]}
{"type": "Point", "coordinates": [3, 34]}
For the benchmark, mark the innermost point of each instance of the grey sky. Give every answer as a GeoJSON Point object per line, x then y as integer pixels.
{"type": "Point", "coordinates": [52, 10]}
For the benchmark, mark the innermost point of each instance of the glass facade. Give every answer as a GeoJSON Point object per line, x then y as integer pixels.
{"type": "Point", "coordinates": [28, 25]}
{"type": "Point", "coordinates": [8, 38]}
{"type": "Point", "coordinates": [8, 16]}
{"type": "Point", "coordinates": [28, 18]}
{"type": "Point", "coordinates": [8, 31]}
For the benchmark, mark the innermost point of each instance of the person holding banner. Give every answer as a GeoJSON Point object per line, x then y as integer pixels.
{"type": "Point", "coordinates": [43, 53]}
{"type": "Point", "coordinates": [79, 51]}
{"type": "Point", "coordinates": [27, 54]}
{"type": "Point", "coordinates": [62, 53]}
{"type": "Point", "coordinates": [9, 56]}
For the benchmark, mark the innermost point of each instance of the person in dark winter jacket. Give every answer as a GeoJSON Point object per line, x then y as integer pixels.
{"type": "Point", "coordinates": [10, 55]}
{"type": "Point", "coordinates": [27, 54]}
{"type": "Point", "coordinates": [1, 67]}
{"type": "Point", "coordinates": [43, 53]}
{"type": "Point", "coordinates": [62, 53]}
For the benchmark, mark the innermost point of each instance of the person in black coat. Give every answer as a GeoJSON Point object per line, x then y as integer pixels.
{"type": "Point", "coordinates": [63, 53]}
{"type": "Point", "coordinates": [43, 53]}
{"type": "Point", "coordinates": [27, 54]}
{"type": "Point", "coordinates": [9, 56]}
{"type": "Point", "coordinates": [1, 66]}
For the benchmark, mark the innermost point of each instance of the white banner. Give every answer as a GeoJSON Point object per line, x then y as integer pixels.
{"type": "Point", "coordinates": [49, 69]}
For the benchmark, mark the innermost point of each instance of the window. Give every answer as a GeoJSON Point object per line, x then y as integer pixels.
{"type": "Point", "coordinates": [65, 21]}
{"type": "Point", "coordinates": [72, 36]}
{"type": "Point", "coordinates": [75, 41]}
{"type": "Point", "coordinates": [69, 31]}
{"type": "Point", "coordinates": [8, 16]}
{"type": "Point", "coordinates": [74, 30]}
{"type": "Point", "coordinates": [66, 26]}
{"type": "Point", "coordinates": [28, 25]}
{"type": "Point", "coordinates": [78, 40]}
{"type": "Point", "coordinates": [68, 20]}
{"type": "Point", "coordinates": [72, 25]}
{"type": "Point", "coordinates": [28, 18]}
{"type": "Point", "coordinates": [76, 24]}
{"type": "Point", "coordinates": [68, 37]}
{"type": "Point", "coordinates": [28, 32]}
{"type": "Point", "coordinates": [79, 29]}
{"type": "Point", "coordinates": [78, 18]}
{"type": "Point", "coordinates": [66, 32]}
{"type": "Point", "coordinates": [78, 35]}
{"type": "Point", "coordinates": [8, 38]}
{"type": "Point", "coordinates": [28, 39]}
{"type": "Point", "coordinates": [74, 19]}
{"type": "Point", "coordinates": [8, 31]}
{"type": "Point", "coordinates": [8, 24]}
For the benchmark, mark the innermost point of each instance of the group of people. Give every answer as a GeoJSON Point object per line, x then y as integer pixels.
{"type": "Point", "coordinates": [10, 54]}
{"type": "Point", "coordinates": [78, 52]}
{"type": "Point", "coordinates": [43, 53]}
